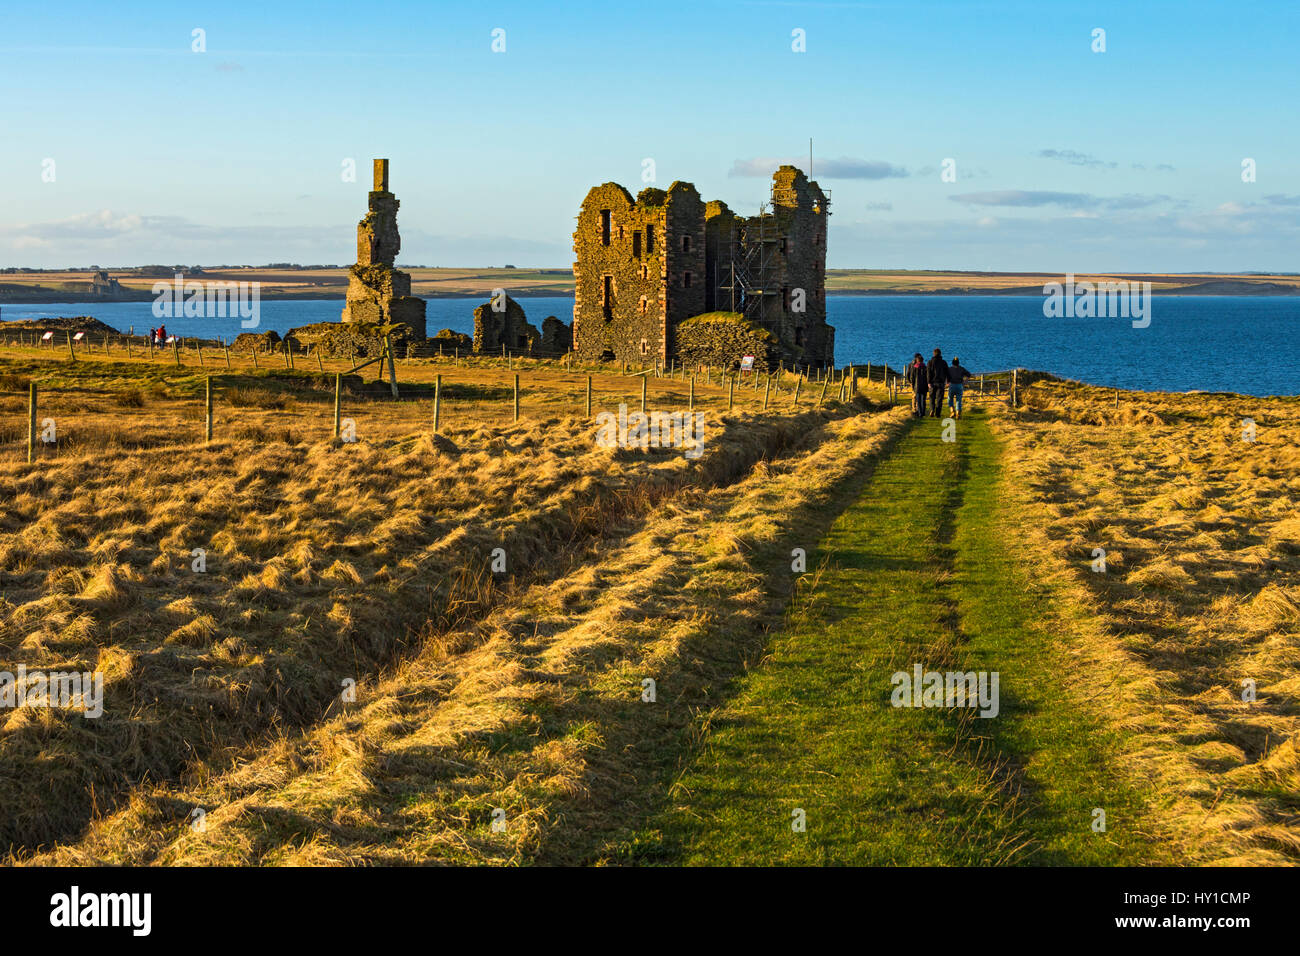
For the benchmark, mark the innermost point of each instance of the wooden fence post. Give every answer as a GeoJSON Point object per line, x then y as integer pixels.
{"type": "Point", "coordinates": [691, 407]}
{"type": "Point", "coordinates": [516, 396]}
{"type": "Point", "coordinates": [644, 388]}
{"type": "Point", "coordinates": [338, 402]}
{"type": "Point", "coordinates": [797, 383]}
{"type": "Point", "coordinates": [588, 396]}
{"type": "Point", "coordinates": [31, 423]}
{"type": "Point", "coordinates": [767, 389]}
{"type": "Point", "coordinates": [437, 401]}
{"type": "Point", "coordinates": [731, 392]}
{"type": "Point", "coordinates": [72, 356]}
{"type": "Point", "coordinates": [392, 368]}
{"type": "Point", "coordinates": [207, 401]}
{"type": "Point", "coordinates": [176, 350]}
{"type": "Point", "coordinates": [226, 349]}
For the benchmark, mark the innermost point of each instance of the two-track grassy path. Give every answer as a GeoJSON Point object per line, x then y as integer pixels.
{"type": "Point", "coordinates": [921, 569]}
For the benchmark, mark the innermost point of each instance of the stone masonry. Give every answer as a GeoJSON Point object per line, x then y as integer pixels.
{"type": "Point", "coordinates": [639, 271]}
{"type": "Point", "coordinates": [501, 321]}
{"type": "Point", "coordinates": [644, 266]}
{"type": "Point", "coordinates": [377, 292]}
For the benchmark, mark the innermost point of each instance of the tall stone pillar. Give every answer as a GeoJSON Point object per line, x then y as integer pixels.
{"type": "Point", "coordinates": [377, 292]}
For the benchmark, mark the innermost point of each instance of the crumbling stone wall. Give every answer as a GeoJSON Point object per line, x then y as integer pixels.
{"type": "Point", "coordinates": [505, 325]}
{"type": "Point", "coordinates": [379, 294]}
{"type": "Point", "coordinates": [450, 341]}
{"type": "Point", "coordinates": [255, 341]}
{"type": "Point", "coordinates": [633, 260]}
{"type": "Point", "coordinates": [639, 270]}
{"type": "Point", "coordinates": [722, 339]}
{"type": "Point", "coordinates": [353, 339]}
{"type": "Point", "coordinates": [556, 335]}
{"type": "Point", "coordinates": [801, 211]}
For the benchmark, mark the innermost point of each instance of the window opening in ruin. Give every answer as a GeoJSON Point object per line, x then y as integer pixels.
{"type": "Point", "coordinates": [686, 243]}
{"type": "Point", "coordinates": [785, 245]}
{"type": "Point", "coordinates": [607, 355]}
{"type": "Point", "coordinates": [785, 298]}
{"type": "Point", "coordinates": [604, 226]}
{"type": "Point", "coordinates": [649, 239]}
{"type": "Point", "coordinates": [607, 297]}
{"type": "Point", "coordinates": [644, 348]}
{"type": "Point", "coordinates": [643, 305]}
{"type": "Point", "coordinates": [798, 336]}
{"type": "Point", "coordinates": [636, 244]}
{"type": "Point", "coordinates": [686, 280]}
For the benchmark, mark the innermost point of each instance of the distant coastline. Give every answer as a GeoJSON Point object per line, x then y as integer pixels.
{"type": "Point", "coordinates": [33, 297]}
{"type": "Point", "coordinates": [330, 283]}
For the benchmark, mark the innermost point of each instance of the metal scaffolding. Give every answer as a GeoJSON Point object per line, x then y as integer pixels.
{"type": "Point", "coordinates": [748, 276]}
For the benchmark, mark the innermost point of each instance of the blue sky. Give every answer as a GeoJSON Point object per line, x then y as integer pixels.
{"type": "Point", "coordinates": [1066, 159]}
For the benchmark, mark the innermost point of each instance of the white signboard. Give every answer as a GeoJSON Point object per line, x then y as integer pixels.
{"type": "Point", "coordinates": [47, 336]}
{"type": "Point", "coordinates": [79, 336]}
{"type": "Point", "coordinates": [747, 363]}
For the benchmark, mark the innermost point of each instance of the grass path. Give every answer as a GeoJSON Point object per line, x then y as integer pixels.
{"type": "Point", "coordinates": [920, 570]}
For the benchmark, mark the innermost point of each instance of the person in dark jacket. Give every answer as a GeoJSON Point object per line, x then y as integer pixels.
{"type": "Point", "coordinates": [957, 376]}
{"type": "Point", "coordinates": [937, 375]}
{"type": "Point", "coordinates": [916, 377]}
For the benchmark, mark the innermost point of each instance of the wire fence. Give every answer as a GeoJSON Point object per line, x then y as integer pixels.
{"type": "Point", "coordinates": [105, 392]}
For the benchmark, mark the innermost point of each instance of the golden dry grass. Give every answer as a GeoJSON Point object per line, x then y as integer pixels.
{"type": "Point", "coordinates": [325, 561]}
{"type": "Point", "coordinates": [1200, 592]}
{"type": "Point", "coordinates": [536, 708]}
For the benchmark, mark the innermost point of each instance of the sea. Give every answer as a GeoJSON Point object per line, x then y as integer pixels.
{"type": "Point", "coordinates": [1246, 344]}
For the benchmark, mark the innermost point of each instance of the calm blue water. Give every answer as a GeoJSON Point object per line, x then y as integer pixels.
{"type": "Point", "coordinates": [1248, 344]}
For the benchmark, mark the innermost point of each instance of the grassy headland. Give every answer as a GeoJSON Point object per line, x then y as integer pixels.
{"type": "Point", "coordinates": [649, 678]}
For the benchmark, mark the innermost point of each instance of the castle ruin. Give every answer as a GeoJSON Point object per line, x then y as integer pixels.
{"type": "Point", "coordinates": [377, 292]}
{"type": "Point", "coordinates": [645, 266]}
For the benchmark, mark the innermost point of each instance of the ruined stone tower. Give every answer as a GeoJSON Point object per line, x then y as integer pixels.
{"type": "Point", "coordinates": [639, 271]}
{"type": "Point", "coordinates": [377, 292]}
{"type": "Point", "coordinates": [644, 267]}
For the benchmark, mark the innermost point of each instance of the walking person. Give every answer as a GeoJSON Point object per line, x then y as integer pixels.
{"type": "Point", "coordinates": [916, 377]}
{"type": "Point", "coordinates": [957, 376]}
{"type": "Point", "coordinates": [937, 375]}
